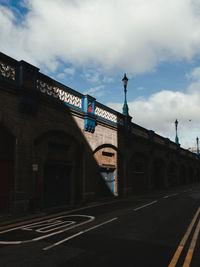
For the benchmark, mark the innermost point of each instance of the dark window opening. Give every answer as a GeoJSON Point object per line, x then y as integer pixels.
{"type": "Point", "coordinates": [139, 167]}
{"type": "Point", "coordinates": [2, 146]}
{"type": "Point", "coordinates": [107, 154]}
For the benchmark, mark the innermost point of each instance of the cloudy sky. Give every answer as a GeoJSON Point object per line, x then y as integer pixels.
{"type": "Point", "coordinates": [89, 45]}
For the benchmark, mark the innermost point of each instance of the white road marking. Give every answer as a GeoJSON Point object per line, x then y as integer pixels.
{"type": "Point", "coordinates": [172, 195]}
{"type": "Point", "coordinates": [50, 229]}
{"type": "Point", "coordinates": [47, 223]}
{"type": "Point", "coordinates": [42, 223]}
{"type": "Point", "coordinates": [148, 204]}
{"type": "Point", "coordinates": [11, 242]}
{"type": "Point", "coordinates": [61, 231]}
{"type": "Point", "coordinates": [79, 233]}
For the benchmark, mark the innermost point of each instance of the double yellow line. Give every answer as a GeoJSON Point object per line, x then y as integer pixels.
{"type": "Point", "coordinates": [183, 242]}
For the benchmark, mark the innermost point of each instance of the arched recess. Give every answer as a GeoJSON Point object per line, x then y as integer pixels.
{"type": "Point", "coordinates": [158, 173]}
{"type": "Point", "coordinates": [183, 174]}
{"type": "Point", "coordinates": [107, 158]}
{"type": "Point", "coordinates": [196, 178]}
{"type": "Point", "coordinates": [191, 174]}
{"type": "Point", "coordinates": [7, 141]}
{"type": "Point", "coordinates": [198, 175]}
{"type": "Point", "coordinates": [139, 172]}
{"type": "Point", "coordinates": [58, 180]}
{"type": "Point", "coordinates": [172, 174]}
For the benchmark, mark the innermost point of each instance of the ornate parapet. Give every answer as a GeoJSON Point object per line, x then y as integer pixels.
{"type": "Point", "coordinates": [105, 113]}
{"type": "Point", "coordinates": [7, 71]}
{"type": "Point", "coordinates": [8, 67]}
{"type": "Point", "coordinates": [53, 89]}
{"type": "Point", "coordinates": [29, 84]}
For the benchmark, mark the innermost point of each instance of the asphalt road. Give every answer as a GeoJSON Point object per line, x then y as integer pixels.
{"type": "Point", "coordinates": [157, 229]}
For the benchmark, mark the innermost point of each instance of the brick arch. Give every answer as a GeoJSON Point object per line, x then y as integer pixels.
{"type": "Point", "coordinates": [104, 146]}
{"type": "Point", "coordinates": [7, 148]}
{"type": "Point", "coordinates": [108, 157]}
{"type": "Point", "coordinates": [183, 174]}
{"type": "Point", "coordinates": [57, 154]}
{"type": "Point", "coordinates": [191, 174]}
{"type": "Point", "coordinates": [172, 174]}
{"type": "Point", "coordinates": [59, 133]}
{"type": "Point", "coordinates": [138, 178]}
{"type": "Point", "coordinates": [198, 175]}
{"type": "Point", "coordinates": [158, 173]}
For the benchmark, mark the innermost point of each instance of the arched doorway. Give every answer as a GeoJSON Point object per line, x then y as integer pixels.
{"type": "Point", "coordinates": [191, 174]}
{"type": "Point", "coordinates": [158, 172]}
{"type": "Point", "coordinates": [183, 174]}
{"type": "Point", "coordinates": [58, 180]}
{"type": "Point", "coordinates": [6, 168]}
{"type": "Point", "coordinates": [107, 158]}
{"type": "Point", "coordinates": [172, 174]}
{"type": "Point", "coordinates": [139, 177]}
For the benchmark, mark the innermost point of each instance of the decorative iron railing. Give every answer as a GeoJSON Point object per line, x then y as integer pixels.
{"type": "Point", "coordinates": [7, 71]}
{"type": "Point", "coordinates": [58, 93]}
{"type": "Point", "coordinates": [19, 73]}
{"type": "Point", "coordinates": [102, 113]}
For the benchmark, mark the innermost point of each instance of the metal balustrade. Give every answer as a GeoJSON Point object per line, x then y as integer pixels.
{"type": "Point", "coordinates": [10, 70]}
{"type": "Point", "coordinates": [7, 71]}
{"type": "Point", "coordinates": [58, 93]}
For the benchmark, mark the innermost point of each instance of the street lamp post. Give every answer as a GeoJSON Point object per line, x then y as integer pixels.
{"type": "Point", "coordinates": [176, 138]}
{"type": "Point", "coordinates": [125, 106]}
{"type": "Point", "coordinates": [197, 146]}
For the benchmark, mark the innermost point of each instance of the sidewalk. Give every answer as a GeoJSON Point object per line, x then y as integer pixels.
{"type": "Point", "coordinates": [16, 218]}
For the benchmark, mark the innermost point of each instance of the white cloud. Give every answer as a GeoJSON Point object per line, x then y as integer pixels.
{"type": "Point", "coordinates": [159, 112]}
{"type": "Point", "coordinates": [92, 76]}
{"type": "Point", "coordinates": [69, 71]}
{"type": "Point", "coordinates": [107, 79]}
{"type": "Point", "coordinates": [125, 35]}
{"type": "Point", "coordinates": [60, 75]}
{"type": "Point", "coordinates": [96, 91]}
{"type": "Point", "coordinates": [140, 88]}
{"type": "Point", "coordinates": [194, 75]}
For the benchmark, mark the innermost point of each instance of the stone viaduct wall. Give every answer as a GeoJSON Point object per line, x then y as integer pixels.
{"type": "Point", "coordinates": [60, 147]}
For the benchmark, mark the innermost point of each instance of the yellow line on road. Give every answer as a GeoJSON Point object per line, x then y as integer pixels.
{"type": "Point", "coordinates": [192, 247]}
{"type": "Point", "coordinates": [183, 241]}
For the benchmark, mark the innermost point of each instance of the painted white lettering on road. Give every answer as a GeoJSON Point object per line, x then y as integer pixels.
{"type": "Point", "coordinates": [79, 233]}
{"type": "Point", "coordinates": [52, 225]}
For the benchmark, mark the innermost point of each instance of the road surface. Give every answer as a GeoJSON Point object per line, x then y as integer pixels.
{"type": "Point", "coordinates": [157, 229]}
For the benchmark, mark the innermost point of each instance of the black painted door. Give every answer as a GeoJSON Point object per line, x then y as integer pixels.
{"type": "Point", "coordinates": [56, 185]}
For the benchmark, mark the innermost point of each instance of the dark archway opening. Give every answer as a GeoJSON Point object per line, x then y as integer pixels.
{"type": "Point", "coordinates": [56, 184]}
{"type": "Point", "coordinates": [158, 174]}
{"type": "Point", "coordinates": [6, 168]}
{"type": "Point", "coordinates": [139, 178]}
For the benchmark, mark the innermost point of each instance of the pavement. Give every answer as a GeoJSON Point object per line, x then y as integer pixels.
{"type": "Point", "coordinates": [9, 219]}
{"type": "Point", "coordinates": [140, 230]}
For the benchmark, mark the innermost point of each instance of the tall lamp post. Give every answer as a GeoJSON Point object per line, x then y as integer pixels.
{"type": "Point", "coordinates": [197, 146]}
{"type": "Point", "coordinates": [176, 138]}
{"type": "Point", "coordinates": [125, 106]}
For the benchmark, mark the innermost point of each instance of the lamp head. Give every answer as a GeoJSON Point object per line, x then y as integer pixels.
{"type": "Point", "coordinates": [125, 80]}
